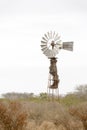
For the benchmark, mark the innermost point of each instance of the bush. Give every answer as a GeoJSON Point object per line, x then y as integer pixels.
{"type": "Point", "coordinates": [80, 112]}
{"type": "Point", "coordinates": [81, 92]}
{"type": "Point", "coordinates": [12, 116]}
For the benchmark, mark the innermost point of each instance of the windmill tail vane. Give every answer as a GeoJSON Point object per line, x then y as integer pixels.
{"type": "Point", "coordinates": [67, 46]}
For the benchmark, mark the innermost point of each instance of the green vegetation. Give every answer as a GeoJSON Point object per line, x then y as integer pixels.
{"type": "Point", "coordinates": [70, 99]}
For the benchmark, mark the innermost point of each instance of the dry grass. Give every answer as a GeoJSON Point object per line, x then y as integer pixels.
{"type": "Point", "coordinates": [80, 112]}
{"type": "Point", "coordinates": [12, 116]}
{"type": "Point", "coordinates": [24, 115]}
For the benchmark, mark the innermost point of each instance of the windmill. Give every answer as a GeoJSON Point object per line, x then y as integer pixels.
{"type": "Point", "coordinates": [51, 44]}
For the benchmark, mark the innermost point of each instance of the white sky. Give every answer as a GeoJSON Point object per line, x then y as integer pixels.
{"type": "Point", "coordinates": [23, 67]}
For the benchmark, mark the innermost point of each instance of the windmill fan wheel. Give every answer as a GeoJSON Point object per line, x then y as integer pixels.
{"type": "Point", "coordinates": [51, 44]}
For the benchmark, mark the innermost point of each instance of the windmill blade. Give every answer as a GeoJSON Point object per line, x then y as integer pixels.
{"type": "Point", "coordinates": [56, 49]}
{"type": "Point", "coordinates": [50, 35]}
{"type": "Point", "coordinates": [59, 45]}
{"type": "Point", "coordinates": [43, 42]}
{"type": "Point", "coordinates": [46, 52]}
{"type": "Point", "coordinates": [56, 46]}
{"type": "Point", "coordinates": [46, 36]}
{"type": "Point", "coordinates": [56, 36]}
{"type": "Point", "coordinates": [50, 56]}
{"type": "Point", "coordinates": [68, 46]}
{"type": "Point", "coordinates": [49, 46]}
{"type": "Point", "coordinates": [53, 53]}
{"type": "Point", "coordinates": [58, 42]}
{"type": "Point", "coordinates": [43, 46]}
{"type": "Point", "coordinates": [49, 53]}
{"type": "Point", "coordinates": [53, 35]}
{"type": "Point", "coordinates": [44, 39]}
{"type": "Point", "coordinates": [44, 49]}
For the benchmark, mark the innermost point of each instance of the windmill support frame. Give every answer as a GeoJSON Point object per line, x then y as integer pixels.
{"type": "Point", "coordinates": [53, 79]}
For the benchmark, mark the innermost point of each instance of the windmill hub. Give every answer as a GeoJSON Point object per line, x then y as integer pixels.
{"type": "Point", "coordinates": [52, 44]}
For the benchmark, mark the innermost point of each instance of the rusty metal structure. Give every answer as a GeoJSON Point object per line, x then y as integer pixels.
{"type": "Point", "coordinates": [51, 45]}
{"type": "Point", "coordinates": [53, 74]}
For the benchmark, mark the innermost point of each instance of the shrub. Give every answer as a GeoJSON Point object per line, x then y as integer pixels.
{"type": "Point", "coordinates": [12, 116]}
{"type": "Point", "coordinates": [80, 112]}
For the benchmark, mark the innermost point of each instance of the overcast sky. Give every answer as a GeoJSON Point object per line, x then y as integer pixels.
{"type": "Point", "coordinates": [23, 66]}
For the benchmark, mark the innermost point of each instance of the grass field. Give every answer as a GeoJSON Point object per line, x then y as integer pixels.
{"type": "Point", "coordinates": [38, 113]}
